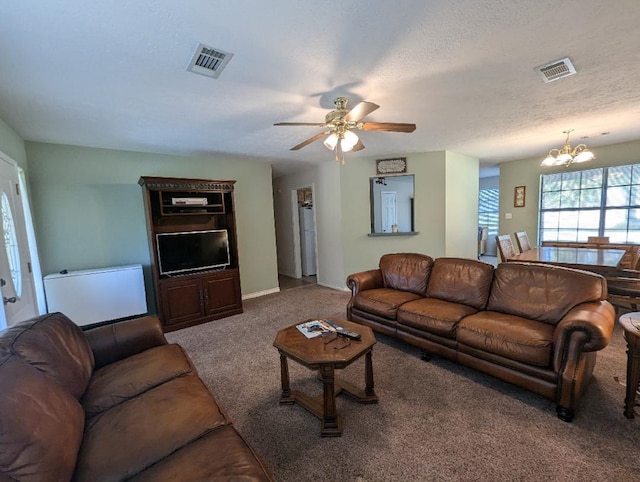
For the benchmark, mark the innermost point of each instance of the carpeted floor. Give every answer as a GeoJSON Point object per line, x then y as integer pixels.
{"type": "Point", "coordinates": [434, 421]}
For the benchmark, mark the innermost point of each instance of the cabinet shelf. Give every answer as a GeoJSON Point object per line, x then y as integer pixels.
{"type": "Point", "coordinates": [182, 209]}
{"type": "Point", "coordinates": [174, 202]}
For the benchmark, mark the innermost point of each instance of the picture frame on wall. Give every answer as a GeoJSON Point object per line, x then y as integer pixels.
{"type": "Point", "coordinates": [519, 196]}
{"type": "Point", "coordinates": [391, 166]}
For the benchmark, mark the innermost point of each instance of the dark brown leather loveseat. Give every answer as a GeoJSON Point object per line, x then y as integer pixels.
{"type": "Point", "coordinates": [113, 403]}
{"type": "Point", "coordinates": [534, 325]}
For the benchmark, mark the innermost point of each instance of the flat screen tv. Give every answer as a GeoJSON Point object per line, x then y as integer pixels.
{"type": "Point", "coordinates": [192, 251]}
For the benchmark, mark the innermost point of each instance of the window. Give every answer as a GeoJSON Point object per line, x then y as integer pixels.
{"type": "Point", "coordinates": [488, 210]}
{"type": "Point", "coordinates": [594, 202]}
{"type": "Point", "coordinates": [11, 245]}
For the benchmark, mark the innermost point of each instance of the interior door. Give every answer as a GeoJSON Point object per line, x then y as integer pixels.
{"type": "Point", "coordinates": [389, 210]}
{"type": "Point", "coordinates": [16, 278]}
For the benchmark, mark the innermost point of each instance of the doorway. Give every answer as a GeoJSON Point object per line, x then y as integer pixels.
{"type": "Point", "coordinates": [303, 225]}
{"type": "Point", "coordinates": [17, 263]}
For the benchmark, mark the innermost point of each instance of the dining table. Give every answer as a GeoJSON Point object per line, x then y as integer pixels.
{"type": "Point", "coordinates": [591, 259]}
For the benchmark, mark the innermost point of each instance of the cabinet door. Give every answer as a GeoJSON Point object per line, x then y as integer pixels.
{"type": "Point", "coordinates": [222, 292]}
{"type": "Point", "coordinates": [182, 301]}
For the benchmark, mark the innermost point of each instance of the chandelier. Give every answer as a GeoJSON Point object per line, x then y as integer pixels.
{"type": "Point", "coordinates": [566, 155]}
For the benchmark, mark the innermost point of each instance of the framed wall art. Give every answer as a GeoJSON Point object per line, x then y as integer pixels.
{"type": "Point", "coordinates": [519, 196]}
{"type": "Point", "coordinates": [391, 166]}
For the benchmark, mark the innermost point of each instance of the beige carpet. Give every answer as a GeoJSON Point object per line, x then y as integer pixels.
{"type": "Point", "coordinates": [435, 420]}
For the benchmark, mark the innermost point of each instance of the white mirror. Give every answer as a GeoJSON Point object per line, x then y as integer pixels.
{"type": "Point", "coordinates": [392, 204]}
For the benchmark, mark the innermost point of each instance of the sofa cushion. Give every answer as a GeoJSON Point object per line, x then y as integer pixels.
{"type": "Point", "coordinates": [433, 315]}
{"type": "Point", "coordinates": [127, 378]}
{"type": "Point", "coordinates": [135, 434]}
{"type": "Point", "coordinates": [406, 272]}
{"type": "Point", "coordinates": [383, 301]}
{"type": "Point", "coordinates": [55, 346]}
{"type": "Point", "coordinates": [510, 336]}
{"type": "Point", "coordinates": [466, 281]}
{"type": "Point", "coordinates": [542, 292]}
{"type": "Point", "coordinates": [233, 460]}
{"type": "Point", "coordinates": [40, 424]}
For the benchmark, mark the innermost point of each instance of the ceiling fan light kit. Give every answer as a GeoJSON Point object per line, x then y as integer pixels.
{"type": "Point", "coordinates": [338, 127]}
{"type": "Point", "coordinates": [567, 156]}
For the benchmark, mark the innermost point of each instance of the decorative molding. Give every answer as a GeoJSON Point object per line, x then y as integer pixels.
{"type": "Point", "coordinates": [188, 184]}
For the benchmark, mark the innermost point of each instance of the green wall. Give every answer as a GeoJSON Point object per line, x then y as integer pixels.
{"type": "Point", "coordinates": [12, 145]}
{"type": "Point", "coordinates": [461, 205]}
{"type": "Point", "coordinates": [526, 172]}
{"type": "Point", "coordinates": [343, 220]}
{"type": "Point", "coordinates": [89, 212]}
{"type": "Point", "coordinates": [446, 210]}
{"type": "Point", "coordinates": [361, 251]}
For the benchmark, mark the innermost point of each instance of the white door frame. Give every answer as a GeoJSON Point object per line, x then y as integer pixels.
{"type": "Point", "coordinates": [29, 263]}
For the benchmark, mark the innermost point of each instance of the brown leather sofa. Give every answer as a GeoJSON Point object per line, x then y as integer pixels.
{"type": "Point", "coordinates": [113, 403]}
{"type": "Point", "coordinates": [533, 325]}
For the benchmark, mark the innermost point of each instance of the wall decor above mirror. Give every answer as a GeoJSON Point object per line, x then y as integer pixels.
{"type": "Point", "coordinates": [391, 166]}
{"type": "Point", "coordinates": [392, 205]}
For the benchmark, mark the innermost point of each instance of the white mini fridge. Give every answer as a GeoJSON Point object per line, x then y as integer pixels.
{"type": "Point", "coordinates": [97, 295]}
{"type": "Point", "coordinates": [307, 241]}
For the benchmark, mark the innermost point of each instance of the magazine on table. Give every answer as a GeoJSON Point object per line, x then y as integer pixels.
{"type": "Point", "coordinates": [314, 328]}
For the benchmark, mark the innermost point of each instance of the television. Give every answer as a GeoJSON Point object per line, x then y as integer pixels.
{"type": "Point", "coordinates": [192, 251]}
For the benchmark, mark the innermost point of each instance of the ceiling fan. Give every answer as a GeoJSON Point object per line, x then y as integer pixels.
{"type": "Point", "coordinates": [339, 123]}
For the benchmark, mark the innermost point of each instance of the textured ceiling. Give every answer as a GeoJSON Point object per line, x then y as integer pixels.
{"type": "Point", "coordinates": [113, 74]}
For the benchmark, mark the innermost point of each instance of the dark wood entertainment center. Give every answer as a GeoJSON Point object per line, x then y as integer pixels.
{"type": "Point", "coordinates": [175, 205]}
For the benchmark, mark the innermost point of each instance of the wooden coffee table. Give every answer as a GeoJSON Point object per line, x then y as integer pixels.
{"type": "Point", "coordinates": [326, 354]}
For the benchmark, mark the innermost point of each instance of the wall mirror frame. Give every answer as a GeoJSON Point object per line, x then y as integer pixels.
{"type": "Point", "coordinates": [392, 205]}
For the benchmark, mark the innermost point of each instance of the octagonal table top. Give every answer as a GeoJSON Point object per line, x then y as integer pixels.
{"type": "Point", "coordinates": [314, 352]}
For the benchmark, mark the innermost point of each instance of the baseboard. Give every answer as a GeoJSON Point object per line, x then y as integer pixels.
{"type": "Point", "coordinates": [257, 294]}
{"type": "Point", "coordinates": [334, 287]}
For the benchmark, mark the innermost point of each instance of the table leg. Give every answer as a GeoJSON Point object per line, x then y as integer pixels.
{"type": "Point", "coordinates": [368, 375]}
{"type": "Point", "coordinates": [633, 373]}
{"type": "Point", "coordinates": [331, 423]}
{"type": "Point", "coordinates": [286, 396]}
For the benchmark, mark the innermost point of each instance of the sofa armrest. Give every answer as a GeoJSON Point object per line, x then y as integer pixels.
{"type": "Point", "coordinates": [591, 324]}
{"type": "Point", "coordinates": [117, 341]}
{"type": "Point", "coordinates": [365, 280]}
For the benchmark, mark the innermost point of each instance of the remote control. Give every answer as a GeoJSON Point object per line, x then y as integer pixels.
{"type": "Point", "coordinates": [350, 334]}
{"type": "Point", "coordinates": [343, 332]}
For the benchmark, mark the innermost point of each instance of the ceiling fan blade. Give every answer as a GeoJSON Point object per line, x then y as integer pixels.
{"type": "Point", "coordinates": [360, 111]}
{"type": "Point", "coordinates": [317, 124]}
{"type": "Point", "coordinates": [388, 126]}
{"type": "Point", "coordinates": [309, 141]}
{"type": "Point", "coordinates": [358, 147]}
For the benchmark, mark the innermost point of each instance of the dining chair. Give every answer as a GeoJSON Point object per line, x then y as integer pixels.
{"type": "Point", "coordinates": [522, 240]}
{"type": "Point", "coordinates": [624, 292]}
{"type": "Point", "coordinates": [505, 247]}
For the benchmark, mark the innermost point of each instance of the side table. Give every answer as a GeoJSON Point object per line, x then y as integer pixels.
{"type": "Point", "coordinates": [631, 324]}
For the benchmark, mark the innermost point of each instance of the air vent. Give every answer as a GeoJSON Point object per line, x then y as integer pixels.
{"type": "Point", "coordinates": [556, 70]}
{"type": "Point", "coordinates": [209, 61]}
